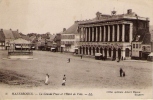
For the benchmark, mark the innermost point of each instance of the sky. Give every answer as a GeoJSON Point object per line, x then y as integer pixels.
{"type": "Point", "coordinates": [41, 16]}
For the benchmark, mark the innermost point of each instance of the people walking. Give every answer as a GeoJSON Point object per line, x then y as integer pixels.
{"type": "Point", "coordinates": [121, 71]}
{"type": "Point", "coordinates": [47, 79]}
{"type": "Point", "coordinates": [64, 80]}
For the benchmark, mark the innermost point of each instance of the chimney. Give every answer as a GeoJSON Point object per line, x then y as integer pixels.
{"type": "Point", "coordinates": [129, 11]}
{"type": "Point", "coordinates": [64, 29]}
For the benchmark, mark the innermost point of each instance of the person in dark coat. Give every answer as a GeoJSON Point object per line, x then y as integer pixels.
{"type": "Point", "coordinates": [121, 71]}
{"type": "Point", "coordinates": [123, 74]}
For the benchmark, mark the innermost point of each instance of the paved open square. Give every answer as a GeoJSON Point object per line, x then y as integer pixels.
{"type": "Point", "coordinates": [85, 73]}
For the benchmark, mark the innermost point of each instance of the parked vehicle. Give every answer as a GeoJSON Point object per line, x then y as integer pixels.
{"type": "Point", "coordinates": [98, 56]}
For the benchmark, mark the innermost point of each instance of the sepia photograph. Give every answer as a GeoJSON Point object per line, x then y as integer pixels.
{"type": "Point", "coordinates": [76, 49]}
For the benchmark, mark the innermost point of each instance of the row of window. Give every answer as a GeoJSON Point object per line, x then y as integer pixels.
{"type": "Point", "coordinates": [68, 36]}
{"type": "Point", "coordinates": [67, 42]}
{"type": "Point", "coordinates": [136, 45]}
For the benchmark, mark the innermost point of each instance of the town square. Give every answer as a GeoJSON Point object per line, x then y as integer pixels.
{"type": "Point", "coordinates": [86, 73]}
{"type": "Point", "coordinates": [68, 49]}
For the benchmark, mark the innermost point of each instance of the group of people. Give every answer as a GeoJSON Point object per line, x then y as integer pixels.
{"type": "Point", "coordinates": [122, 73]}
{"type": "Point", "coordinates": [47, 80]}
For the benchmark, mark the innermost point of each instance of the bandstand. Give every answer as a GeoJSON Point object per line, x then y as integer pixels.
{"type": "Point", "coordinates": [20, 50]}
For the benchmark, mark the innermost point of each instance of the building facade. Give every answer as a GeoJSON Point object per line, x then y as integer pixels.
{"type": "Point", "coordinates": [141, 45]}
{"type": "Point", "coordinates": [110, 35]}
{"type": "Point", "coordinates": [70, 39]}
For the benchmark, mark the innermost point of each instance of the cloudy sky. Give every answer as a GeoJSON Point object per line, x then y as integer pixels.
{"type": "Point", "coordinates": [41, 16]}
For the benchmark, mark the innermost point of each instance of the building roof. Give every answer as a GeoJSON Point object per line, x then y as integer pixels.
{"type": "Point", "coordinates": [25, 37]}
{"type": "Point", "coordinates": [72, 29]}
{"type": "Point", "coordinates": [32, 38]}
{"type": "Point", "coordinates": [114, 17]}
{"type": "Point", "coordinates": [2, 37]}
{"type": "Point", "coordinates": [20, 41]}
{"type": "Point", "coordinates": [139, 36]}
{"type": "Point", "coordinates": [16, 34]}
{"type": "Point", "coordinates": [147, 39]}
{"type": "Point", "coordinates": [8, 34]}
{"type": "Point", "coordinates": [143, 37]}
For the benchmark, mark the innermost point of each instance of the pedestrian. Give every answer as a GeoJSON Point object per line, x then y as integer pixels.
{"type": "Point", "coordinates": [121, 71]}
{"type": "Point", "coordinates": [47, 79]}
{"type": "Point", "coordinates": [64, 80]}
{"type": "Point", "coordinates": [68, 60]}
{"type": "Point", "coordinates": [81, 56]}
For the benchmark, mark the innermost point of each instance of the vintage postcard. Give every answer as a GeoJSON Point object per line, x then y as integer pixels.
{"type": "Point", "coordinates": [76, 49]}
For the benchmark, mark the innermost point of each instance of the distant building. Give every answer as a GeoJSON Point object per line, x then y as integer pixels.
{"type": "Point", "coordinates": [57, 40]}
{"type": "Point", "coordinates": [141, 45]}
{"type": "Point", "coordinates": [8, 37]}
{"type": "Point", "coordinates": [112, 34]}
{"type": "Point", "coordinates": [70, 39]}
{"type": "Point", "coordinates": [16, 34]}
{"type": "Point", "coordinates": [2, 40]}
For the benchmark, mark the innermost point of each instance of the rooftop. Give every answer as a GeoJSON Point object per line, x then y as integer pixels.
{"type": "Point", "coordinates": [104, 17]}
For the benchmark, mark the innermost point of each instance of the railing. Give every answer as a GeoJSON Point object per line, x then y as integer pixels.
{"type": "Point", "coordinates": [20, 53]}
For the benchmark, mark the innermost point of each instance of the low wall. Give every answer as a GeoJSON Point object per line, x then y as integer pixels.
{"type": "Point", "coordinates": [24, 55]}
{"type": "Point", "coordinates": [20, 56]}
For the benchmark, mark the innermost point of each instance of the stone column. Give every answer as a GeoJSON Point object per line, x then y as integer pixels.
{"type": "Point", "coordinates": [131, 28]}
{"type": "Point", "coordinates": [85, 51]}
{"type": "Point", "coordinates": [111, 53]}
{"type": "Point", "coordinates": [83, 33]}
{"type": "Point", "coordinates": [116, 53]}
{"type": "Point", "coordinates": [113, 36]}
{"type": "Point", "coordinates": [104, 38]}
{"type": "Point", "coordinates": [100, 34]}
{"type": "Point", "coordinates": [86, 34]}
{"type": "Point", "coordinates": [92, 34]}
{"type": "Point", "coordinates": [88, 52]}
{"type": "Point", "coordinates": [82, 50]}
{"type": "Point", "coordinates": [89, 34]}
{"type": "Point", "coordinates": [96, 33]}
{"type": "Point", "coordinates": [123, 32]}
{"type": "Point", "coordinates": [107, 52]}
{"type": "Point", "coordinates": [79, 34]}
{"type": "Point", "coordinates": [103, 52]}
{"type": "Point", "coordinates": [92, 51]}
{"type": "Point", "coordinates": [118, 32]}
{"type": "Point", "coordinates": [123, 52]}
{"type": "Point", "coordinates": [99, 50]}
{"type": "Point", "coordinates": [108, 33]}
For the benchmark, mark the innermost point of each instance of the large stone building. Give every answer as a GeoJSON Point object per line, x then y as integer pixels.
{"type": "Point", "coordinates": [111, 35]}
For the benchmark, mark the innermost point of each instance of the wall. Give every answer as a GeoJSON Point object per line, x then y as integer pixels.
{"type": "Point", "coordinates": [136, 49]}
